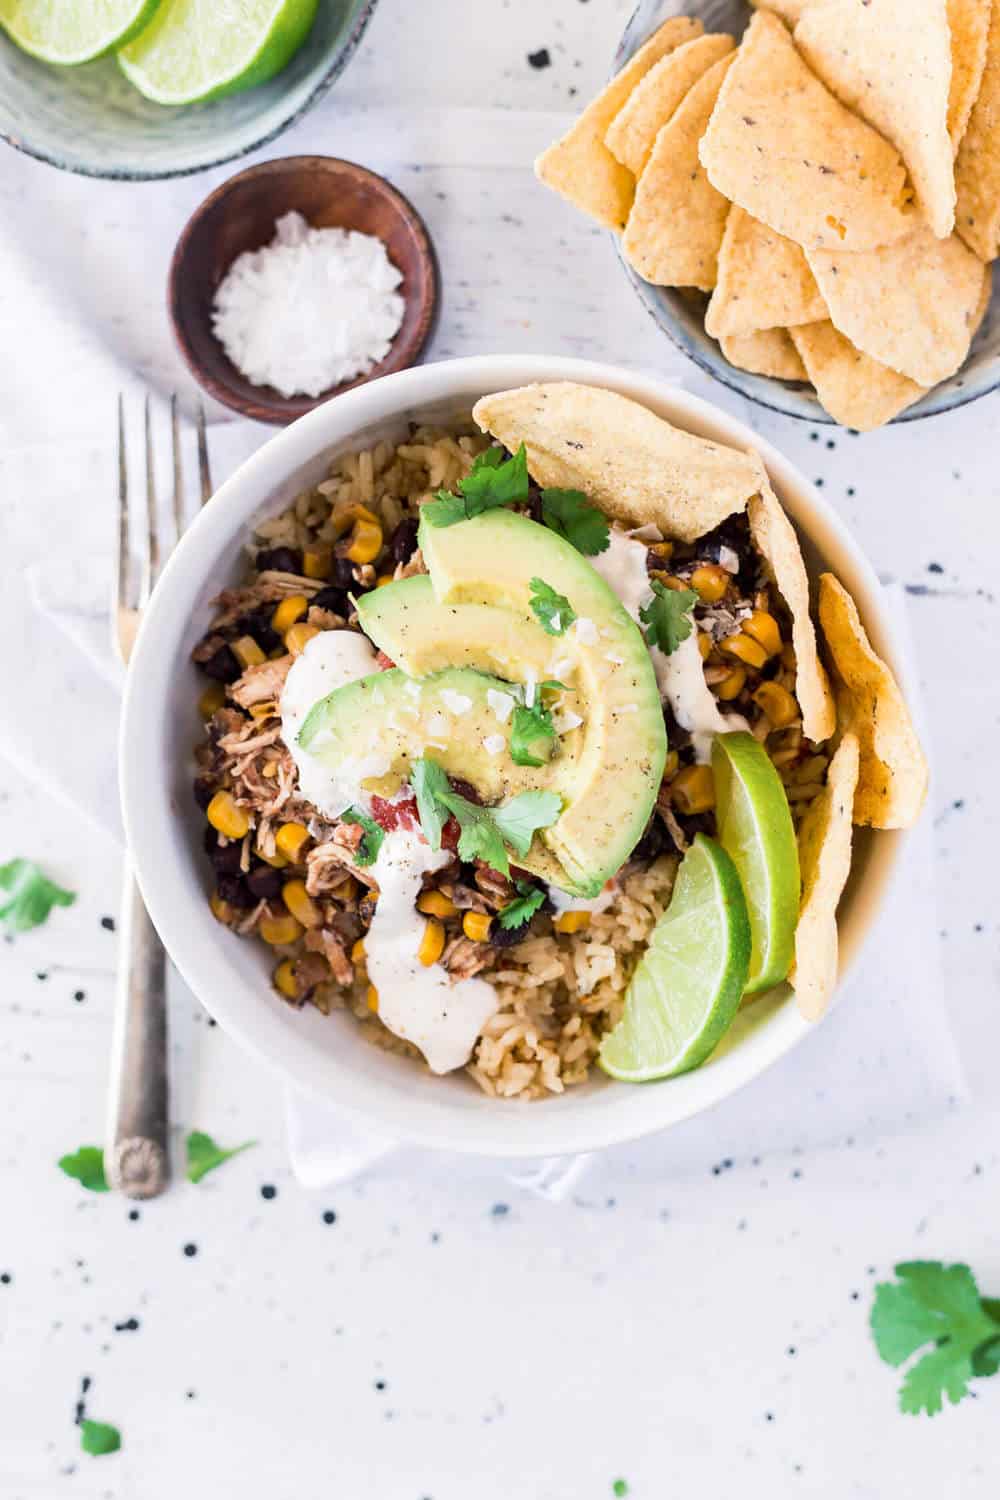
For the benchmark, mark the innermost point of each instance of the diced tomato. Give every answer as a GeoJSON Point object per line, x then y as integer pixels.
{"type": "Point", "coordinates": [450, 834]}
{"type": "Point", "coordinates": [383, 662]}
{"type": "Point", "coordinates": [390, 815]}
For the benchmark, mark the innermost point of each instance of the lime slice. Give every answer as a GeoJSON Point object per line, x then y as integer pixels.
{"type": "Point", "coordinates": [689, 982]}
{"type": "Point", "coordinates": [60, 32]}
{"type": "Point", "coordinates": [194, 50]}
{"type": "Point", "coordinates": [755, 827]}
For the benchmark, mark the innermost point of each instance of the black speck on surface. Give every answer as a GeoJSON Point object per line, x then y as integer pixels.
{"type": "Point", "coordinates": [769, 1416]}
{"type": "Point", "coordinates": [850, 489]}
{"type": "Point", "coordinates": [818, 483]}
{"type": "Point", "coordinates": [130, 1325]}
{"type": "Point", "coordinates": [42, 975]}
{"type": "Point", "coordinates": [814, 437]}
{"type": "Point", "coordinates": [380, 1385]}
{"type": "Point", "coordinates": [268, 1191]}
{"type": "Point", "coordinates": [190, 1249]}
{"type": "Point", "coordinates": [81, 1400]}
{"type": "Point", "coordinates": [329, 1216]}
{"type": "Point", "coordinates": [791, 1351]}
{"type": "Point", "coordinates": [540, 59]}
{"type": "Point", "coordinates": [499, 1209]}
{"type": "Point", "coordinates": [830, 443]}
{"type": "Point", "coordinates": [934, 567]}
{"type": "Point", "coordinates": [435, 1237]}
{"type": "Point", "coordinates": [79, 996]}
{"type": "Point", "coordinates": [134, 1215]}
{"type": "Point", "coordinates": [855, 1296]}
{"type": "Point", "coordinates": [5, 1278]}
{"type": "Point", "coordinates": [108, 923]}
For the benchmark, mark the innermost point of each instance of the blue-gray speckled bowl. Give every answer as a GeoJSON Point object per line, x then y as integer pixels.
{"type": "Point", "coordinates": [680, 313]}
{"type": "Point", "coordinates": [91, 120]}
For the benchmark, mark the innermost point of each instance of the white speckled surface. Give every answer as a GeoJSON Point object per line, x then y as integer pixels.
{"type": "Point", "coordinates": [698, 1333]}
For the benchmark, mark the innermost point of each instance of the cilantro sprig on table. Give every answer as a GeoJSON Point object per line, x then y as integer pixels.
{"type": "Point", "coordinates": [495, 481]}
{"type": "Point", "coordinates": [667, 617]}
{"type": "Point", "coordinates": [551, 609]}
{"type": "Point", "coordinates": [204, 1154]}
{"type": "Point", "coordinates": [936, 1308]}
{"type": "Point", "coordinates": [85, 1166]}
{"type": "Point", "coordinates": [30, 895]}
{"type": "Point", "coordinates": [99, 1438]}
{"type": "Point", "coordinates": [484, 831]}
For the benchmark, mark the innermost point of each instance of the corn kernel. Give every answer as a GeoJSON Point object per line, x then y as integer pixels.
{"type": "Point", "coordinates": [263, 710]}
{"type": "Point", "coordinates": [693, 790]}
{"type": "Point", "coordinates": [299, 902]}
{"type": "Point", "coordinates": [280, 928]}
{"type": "Point", "coordinates": [298, 637]}
{"type": "Point", "coordinates": [664, 550]}
{"type": "Point", "coordinates": [704, 645]}
{"type": "Point", "coordinates": [778, 703]}
{"type": "Point", "coordinates": [211, 699]}
{"type": "Point", "coordinates": [745, 648]}
{"type": "Point", "coordinates": [432, 942]}
{"type": "Point", "coordinates": [316, 562]}
{"type": "Point", "coordinates": [288, 611]}
{"type": "Point", "coordinates": [671, 765]}
{"type": "Point", "coordinates": [343, 517]}
{"type": "Point", "coordinates": [284, 979]}
{"type": "Point", "coordinates": [276, 860]}
{"type": "Point", "coordinates": [732, 685]}
{"type": "Point", "coordinates": [347, 890]}
{"type": "Point", "coordinates": [247, 652]}
{"type": "Point", "coordinates": [226, 818]}
{"type": "Point", "coordinates": [710, 582]}
{"type": "Point", "coordinates": [763, 628]}
{"type": "Point", "coordinates": [372, 998]}
{"type": "Point", "coordinates": [289, 840]}
{"type": "Point", "coordinates": [476, 925]}
{"type": "Point", "coordinates": [436, 904]}
{"type": "Point", "coordinates": [572, 921]}
{"type": "Point", "coordinates": [366, 541]}
{"type": "Point", "coordinates": [358, 952]}
{"type": "Point", "coordinates": [221, 910]}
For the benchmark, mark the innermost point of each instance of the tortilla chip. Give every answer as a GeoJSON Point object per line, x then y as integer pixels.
{"type": "Point", "coordinates": [855, 390]}
{"type": "Point", "coordinates": [651, 103]}
{"type": "Point", "coordinates": [633, 464]}
{"type": "Point", "coordinates": [986, 297]}
{"type": "Point", "coordinates": [781, 146]}
{"type": "Point", "coordinates": [768, 351]}
{"type": "Point", "coordinates": [891, 61]}
{"type": "Point", "coordinates": [969, 23]}
{"type": "Point", "coordinates": [788, 10]}
{"type": "Point", "coordinates": [775, 539]}
{"type": "Point", "coordinates": [825, 838]}
{"type": "Point", "coordinates": [911, 305]}
{"type": "Point", "coordinates": [892, 783]}
{"type": "Point", "coordinates": [674, 231]}
{"type": "Point", "coordinates": [764, 281]}
{"type": "Point", "coordinates": [977, 170]}
{"type": "Point", "coordinates": [580, 166]}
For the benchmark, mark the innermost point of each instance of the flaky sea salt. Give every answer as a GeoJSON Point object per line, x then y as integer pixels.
{"type": "Point", "coordinates": [310, 310]}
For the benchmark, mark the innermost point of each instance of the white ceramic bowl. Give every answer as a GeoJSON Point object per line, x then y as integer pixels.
{"type": "Point", "coordinates": [329, 1055]}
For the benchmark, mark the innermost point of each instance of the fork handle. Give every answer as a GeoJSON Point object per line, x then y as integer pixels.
{"type": "Point", "coordinates": [137, 1161]}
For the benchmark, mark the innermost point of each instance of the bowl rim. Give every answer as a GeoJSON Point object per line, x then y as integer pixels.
{"type": "Point", "coordinates": [264, 409]}
{"type": "Point", "coordinates": [131, 174]}
{"type": "Point", "coordinates": [733, 380]}
{"type": "Point", "coordinates": [162, 859]}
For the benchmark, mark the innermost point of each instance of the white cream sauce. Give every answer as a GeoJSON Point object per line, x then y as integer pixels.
{"type": "Point", "coordinates": [681, 675]}
{"type": "Point", "coordinates": [419, 1002]}
{"type": "Point", "coordinates": [563, 901]}
{"type": "Point", "coordinates": [331, 660]}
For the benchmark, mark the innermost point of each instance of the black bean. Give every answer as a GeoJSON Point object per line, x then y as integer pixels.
{"type": "Point", "coordinates": [233, 889]}
{"type": "Point", "coordinates": [226, 858]}
{"type": "Point", "coordinates": [279, 560]}
{"type": "Point", "coordinates": [222, 667]}
{"type": "Point", "coordinates": [332, 599]}
{"type": "Point", "coordinates": [204, 791]}
{"type": "Point", "coordinates": [506, 937]}
{"type": "Point", "coordinates": [342, 574]}
{"type": "Point", "coordinates": [264, 883]}
{"type": "Point", "coordinates": [653, 842]}
{"type": "Point", "coordinates": [535, 505]}
{"type": "Point", "coordinates": [404, 540]}
{"type": "Point", "coordinates": [258, 624]}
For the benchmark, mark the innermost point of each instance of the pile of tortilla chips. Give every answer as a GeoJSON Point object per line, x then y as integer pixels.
{"type": "Point", "coordinates": [640, 469]}
{"type": "Point", "coordinates": [832, 182]}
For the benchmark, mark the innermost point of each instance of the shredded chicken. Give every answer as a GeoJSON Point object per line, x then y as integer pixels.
{"type": "Point", "coordinates": [261, 684]}
{"type": "Point", "coordinates": [463, 958]}
{"type": "Point", "coordinates": [411, 568]}
{"type": "Point", "coordinates": [321, 940]}
{"type": "Point", "coordinates": [325, 866]}
{"type": "Point", "coordinates": [666, 812]}
{"type": "Point", "coordinates": [267, 588]}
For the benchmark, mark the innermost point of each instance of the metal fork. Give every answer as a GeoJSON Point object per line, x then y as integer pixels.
{"type": "Point", "coordinates": [137, 1160]}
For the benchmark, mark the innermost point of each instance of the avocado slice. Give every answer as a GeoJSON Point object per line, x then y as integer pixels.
{"type": "Point", "coordinates": [491, 560]}
{"type": "Point", "coordinates": [421, 635]}
{"type": "Point", "coordinates": [377, 726]}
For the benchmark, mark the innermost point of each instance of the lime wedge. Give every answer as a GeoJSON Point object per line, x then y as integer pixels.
{"type": "Point", "coordinates": [60, 32]}
{"type": "Point", "coordinates": [755, 827]}
{"type": "Point", "coordinates": [689, 982]}
{"type": "Point", "coordinates": [194, 50]}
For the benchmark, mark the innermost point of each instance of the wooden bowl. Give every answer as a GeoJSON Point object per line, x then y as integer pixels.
{"type": "Point", "coordinates": [241, 215]}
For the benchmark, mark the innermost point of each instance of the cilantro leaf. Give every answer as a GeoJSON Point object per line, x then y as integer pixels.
{"type": "Point", "coordinates": [367, 851]}
{"type": "Point", "coordinates": [986, 1360]}
{"type": "Point", "coordinates": [491, 483]}
{"type": "Point", "coordinates": [573, 516]}
{"type": "Point", "coordinates": [429, 781]}
{"type": "Point", "coordinates": [204, 1154]}
{"type": "Point", "coordinates": [520, 819]}
{"type": "Point", "coordinates": [530, 727]}
{"type": "Point", "coordinates": [86, 1166]}
{"type": "Point", "coordinates": [519, 912]}
{"type": "Point", "coordinates": [667, 616]}
{"type": "Point", "coordinates": [31, 895]}
{"type": "Point", "coordinates": [553, 611]}
{"type": "Point", "coordinates": [99, 1438]}
{"type": "Point", "coordinates": [934, 1304]}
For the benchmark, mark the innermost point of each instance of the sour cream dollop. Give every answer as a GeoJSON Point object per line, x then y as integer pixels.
{"type": "Point", "coordinates": [330, 660]}
{"type": "Point", "coordinates": [681, 675]}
